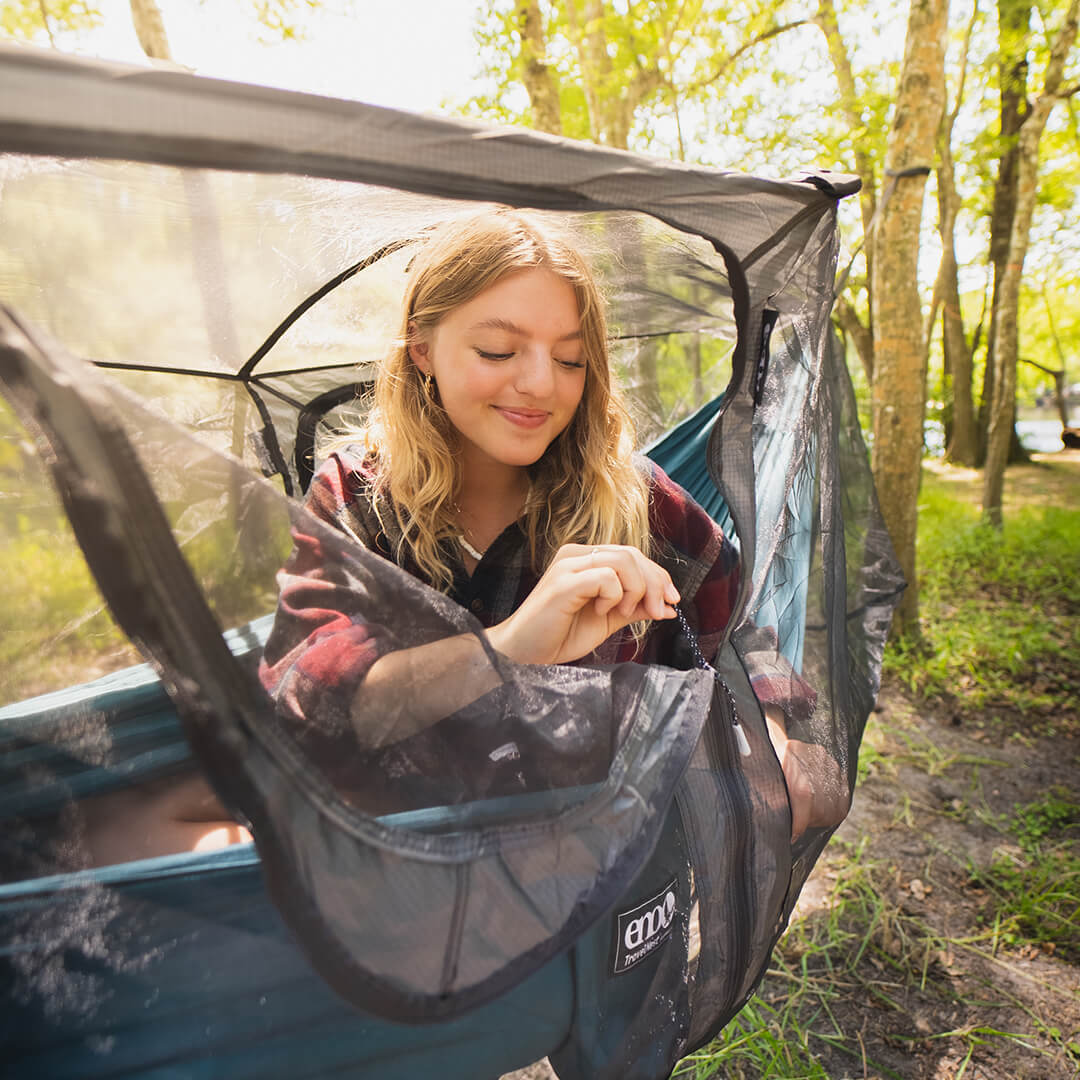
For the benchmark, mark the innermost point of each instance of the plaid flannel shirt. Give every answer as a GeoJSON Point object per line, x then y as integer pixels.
{"type": "Point", "coordinates": [321, 645]}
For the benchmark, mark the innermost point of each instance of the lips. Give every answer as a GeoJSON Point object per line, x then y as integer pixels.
{"type": "Point", "coordinates": [523, 418]}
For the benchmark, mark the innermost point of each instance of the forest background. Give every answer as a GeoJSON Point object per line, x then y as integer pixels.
{"type": "Point", "coordinates": [959, 119]}
{"type": "Point", "coordinates": [957, 301]}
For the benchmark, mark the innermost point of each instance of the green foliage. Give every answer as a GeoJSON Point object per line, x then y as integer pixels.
{"type": "Point", "coordinates": [24, 20]}
{"type": "Point", "coordinates": [762, 1040]}
{"type": "Point", "coordinates": [1036, 891]}
{"type": "Point", "coordinates": [283, 18]}
{"type": "Point", "coordinates": [660, 81]}
{"type": "Point", "coordinates": [999, 608]}
{"type": "Point", "coordinates": [1049, 815]}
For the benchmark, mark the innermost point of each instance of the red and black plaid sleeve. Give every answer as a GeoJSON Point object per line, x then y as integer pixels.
{"type": "Point", "coordinates": [321, 645]}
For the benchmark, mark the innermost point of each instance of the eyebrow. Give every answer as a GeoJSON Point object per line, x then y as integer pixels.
{"type": "Point", "coordinates": [513, 328]}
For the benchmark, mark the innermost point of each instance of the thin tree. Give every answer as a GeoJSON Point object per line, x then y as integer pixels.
{"type": "Point", "coordinates": [898, 394]}
{"type": "Point", "coordinates": [1005, 325]}
{"type": "Point", "coordinates": [962, 445]}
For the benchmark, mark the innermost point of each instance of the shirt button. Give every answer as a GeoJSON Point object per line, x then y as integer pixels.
{"type": "Point", "coordinates": [477, 605]}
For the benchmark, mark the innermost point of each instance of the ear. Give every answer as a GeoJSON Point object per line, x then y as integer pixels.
{"type": "Point", "coordinates": [418, 350]}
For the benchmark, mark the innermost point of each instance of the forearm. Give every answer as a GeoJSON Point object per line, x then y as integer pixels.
{"type": "Point", "coordinates": [409, 690]}
{"type": "Point", "coordinates": [817, 786]}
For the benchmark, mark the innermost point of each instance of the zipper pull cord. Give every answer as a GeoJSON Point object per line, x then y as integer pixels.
{"type": "Point", "coordinates": [701, 662]}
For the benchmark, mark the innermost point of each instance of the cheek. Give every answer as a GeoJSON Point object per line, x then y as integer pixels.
{"type": "Point", "coordinates": [575, 392]}
{"type": "Point", "coordinates": [472, 386]}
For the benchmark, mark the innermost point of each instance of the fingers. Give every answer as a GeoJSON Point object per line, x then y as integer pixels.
{"type": "Point", "coordinates": [646, 589]}
{"type": "Point", "coordinates": [584, 596]}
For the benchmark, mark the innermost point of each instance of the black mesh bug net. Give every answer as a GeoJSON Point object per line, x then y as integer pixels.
{"type": "Point", "coordinates": [591, 862]}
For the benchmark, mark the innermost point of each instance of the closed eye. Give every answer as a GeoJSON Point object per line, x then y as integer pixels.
{"type": "Point", "coordinates": [572, 364]}
{"type": "Point", "coordinates": [483, 354]}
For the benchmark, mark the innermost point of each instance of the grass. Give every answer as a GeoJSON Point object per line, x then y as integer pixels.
{"type": "Point", "coordinates": [53, 623]}
{"type": "Point", "coordinates": [1035, 889]}
{"type": "Point", "coordinates": [55, 630]}
{"type": "Point", "coordinates": [867, 944]}
{"type": "Point", "coordinates": [999, 625]}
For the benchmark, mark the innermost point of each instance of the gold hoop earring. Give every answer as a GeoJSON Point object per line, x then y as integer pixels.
{"type": "Point", "coordinates": [428, 382]}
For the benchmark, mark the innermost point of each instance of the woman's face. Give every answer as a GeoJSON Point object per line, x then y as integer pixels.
{"type": "Point", "coordinates": [509, 367]}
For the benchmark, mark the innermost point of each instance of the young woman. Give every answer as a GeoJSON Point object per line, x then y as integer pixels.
{"type": "Point", "coordinates": [497, 467]}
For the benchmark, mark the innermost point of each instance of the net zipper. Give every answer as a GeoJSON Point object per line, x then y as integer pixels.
{"type": "Point", "coordinates": [700, 661]}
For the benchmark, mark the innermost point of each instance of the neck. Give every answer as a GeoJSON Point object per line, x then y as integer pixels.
{"type": "Point", "coordinates": [494, 487]}
{"type": "Point", "coordinates": [491, 497]}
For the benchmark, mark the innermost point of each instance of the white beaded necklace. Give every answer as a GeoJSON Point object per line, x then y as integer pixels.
{"type": "Point", "coordinates": [477, 555]}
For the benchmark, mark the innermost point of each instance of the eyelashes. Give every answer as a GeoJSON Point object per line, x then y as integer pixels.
{"type": "Point", "coordinates": [571, 365]}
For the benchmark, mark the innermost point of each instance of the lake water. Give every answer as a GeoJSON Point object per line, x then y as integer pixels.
{"type": "Point", "coordinates": [1038, 436]}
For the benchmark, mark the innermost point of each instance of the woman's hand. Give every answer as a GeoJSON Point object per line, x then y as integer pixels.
{"type": "Point", "coordinates": [585, 596]}
{"type": "Point", "coordinates": [817, 786]}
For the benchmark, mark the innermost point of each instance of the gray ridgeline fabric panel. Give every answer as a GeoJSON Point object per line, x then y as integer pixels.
{"type": "Point", "coordinates": [75, 107]}
{"type": "Point", "coordinates": [409, 923]}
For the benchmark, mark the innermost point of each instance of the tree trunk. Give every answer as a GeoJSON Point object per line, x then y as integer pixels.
{"type": "Point", "coordinates": [962, 445]}
{"type": "Point", "coordinates": [150, 29]}
{"type": "Point", "coordinates": [697, 382]}
{"type": "Point", "coordinates": [1006, 310]}
{"type": "Point", "coordinates": [1014, 22]}
{"type": "Point", "coordinates": [535, 74]}
{"type": "Point", "coordinates": [898, 395]}
{"type": "Point", "coordinates": [862, 336]}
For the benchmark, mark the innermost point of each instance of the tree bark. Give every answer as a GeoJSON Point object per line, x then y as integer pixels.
{"type": "Point", "coordinates": [535, 73]}
{"type": "Point", "coordinates": [962, 445]}
{"type": "Point", "coordinates": [898, 394]}
{"type": "Point", "coordinates": [850, 106]}
{"type": "Point", "coordinates": [1014, 22]}
{"type": "Point", "coordinates": [595, 66]}
{"type": "Point", "coordinates": [1006, 310]}
{"type": "Point", "coordinates": [150, 29]}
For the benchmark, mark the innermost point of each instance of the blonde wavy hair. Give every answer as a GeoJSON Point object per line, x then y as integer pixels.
{"type": "Point", "coordinates": [585, 489]}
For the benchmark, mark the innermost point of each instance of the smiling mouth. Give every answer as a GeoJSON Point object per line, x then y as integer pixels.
{"type": "Point", "coordinates": [524, 418]}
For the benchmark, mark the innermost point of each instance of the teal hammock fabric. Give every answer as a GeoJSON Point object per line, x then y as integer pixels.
{"type": "Point", "coordinates": [227, 993]}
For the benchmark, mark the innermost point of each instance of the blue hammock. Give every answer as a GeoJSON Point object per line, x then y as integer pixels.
{"type": "Point", "coordinates": [228, 994]}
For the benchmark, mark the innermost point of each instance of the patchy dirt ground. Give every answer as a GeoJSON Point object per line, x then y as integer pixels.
{"type": "Point", "coordinates": [943, 988]}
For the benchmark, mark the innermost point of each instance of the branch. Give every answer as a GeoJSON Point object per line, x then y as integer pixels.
{"type": "Point", "coordinates": [45, 19]}
{"type": "Point", "coordinates": [827, 23]}
{"type": "Point", "coordinates": [1059, 50]}
{"type": "Point", "coordinates": [746, 46]}
{"type": "Point", "coordinates": [950, 119]}
{"type": "Point", "coordinates": [860, 335]}
{"type": "Point", "coordinates": [1049, 371]}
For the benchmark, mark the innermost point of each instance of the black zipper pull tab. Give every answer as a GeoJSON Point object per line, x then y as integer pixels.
{"type": "Point", "coordinates": [768, 324]}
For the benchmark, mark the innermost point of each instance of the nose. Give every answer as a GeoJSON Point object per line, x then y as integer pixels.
{"type": "Point", "coordinates": [535, 374]}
